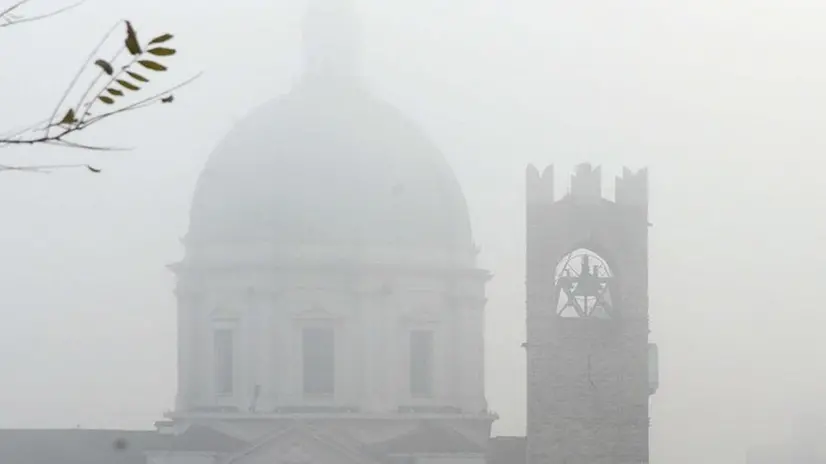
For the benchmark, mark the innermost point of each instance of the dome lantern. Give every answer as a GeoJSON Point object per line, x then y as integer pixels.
{"type": "Point", "coordinates": [332, 40]}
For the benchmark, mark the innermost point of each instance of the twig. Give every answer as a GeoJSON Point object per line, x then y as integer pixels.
{"type": "Point", "coordinates": [70, 144]}
{"type": "Point", "coordinates": [114, 77]}
{"type": "Point", "coordinates": [77, 76]}
{"type": "Point", "coordinates": [44, 169]}
{"type": "Point", "coordinates": [146, 101]}
{"type": "Point", "coordinates": [12, 22]}
{"type": "Point", "coordinates": [10, 9]}
{"type": "Point", "coordinates": [96, 119]}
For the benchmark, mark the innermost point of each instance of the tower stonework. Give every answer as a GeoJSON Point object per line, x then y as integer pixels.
{"type": "Point", "coordinates": [589, 377]}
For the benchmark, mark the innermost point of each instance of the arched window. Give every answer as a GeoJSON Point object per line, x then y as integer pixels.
{"type": "Point", "coordinates": [319, 360]}
{"type": "Point", "coordinates": [223, 361]}
{"type": "Point", "coordinates": [421, 363]}
{"type": "Point", "coordinates": [583, 284]}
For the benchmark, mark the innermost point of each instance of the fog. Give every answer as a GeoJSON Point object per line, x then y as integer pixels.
{"type": "Point", "coordinates": [721, 100]}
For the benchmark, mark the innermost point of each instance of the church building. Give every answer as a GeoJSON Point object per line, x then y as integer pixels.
{"type": "Point", "coordinates": [330, 308]}
{"type": "Point", "coordinates": [329, 300]}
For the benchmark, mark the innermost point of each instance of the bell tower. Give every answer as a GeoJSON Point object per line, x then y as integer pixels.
{"type": "Point", "coordinates": [589, 374]}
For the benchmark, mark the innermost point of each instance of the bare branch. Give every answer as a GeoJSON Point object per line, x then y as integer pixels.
{"type": "Point", "coordinates": [124, 80]}
{"type": "Point", "coordinates": [66, 131]}
{"type": "Point", "coordinates": [156, 98]}
{"type": "Point", "coordinates": [77, 76]}
{"type": "Point", "coordinates": [10, 10]}
{"type": "Point", "coordinates": [46, 168]}
{"type": "Point", "coordinates": [10, 19]}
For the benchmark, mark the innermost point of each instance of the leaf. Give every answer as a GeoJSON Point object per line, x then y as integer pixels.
{"type": "Point", "coordinates": [137, 76]}
{"type": "Point", "coordinates": [105, 66]}
{"type": "Point", "coordinates": [153, 65]}
{"type": "Point", "coordinates": [95, 170]}
{"type": "Point", "coordinates": [128, 85]}
{"type": "Point", "coordinates": [115, 92]}
{"type": "Point", "coordinates": [168, 99]}
{"type": "Point", "coordinates": [160, 39]}
{"type": "Point", "coordinates": [69, 118]}
{"type": "Point", "coordinates": [132, 40]}
{"type": "Point", "coordinates": [105, 99]}
{"type": "Point", "coordinates": [162, 51]}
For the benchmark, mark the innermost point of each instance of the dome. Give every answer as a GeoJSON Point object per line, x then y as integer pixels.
{"type": "Point", "coordinates": [329, 164]}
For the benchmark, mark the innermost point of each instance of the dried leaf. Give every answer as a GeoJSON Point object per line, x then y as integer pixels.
{"type": "Point", "coordinates": [153, 65]}
{"type": "Point", "coordinates": [160, 39]}
{"type": "Point", "coordinates": [132, 40]}
{"type": "Point", "coordinates": [137, 76]}
{"type": "Point", "coordinates": [105, 66]}
{"type": "Point", "coordinates": [128, 85]}
{"type": "Point", "coordinates": [162, 51]}
{"type": "Point", "coordinates": [168, 99]}
{"type": "Point", "coordinates": [69, 118]}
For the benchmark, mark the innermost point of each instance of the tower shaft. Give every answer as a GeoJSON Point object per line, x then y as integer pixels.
{"type": "Point", "coordinates": [587, 321]}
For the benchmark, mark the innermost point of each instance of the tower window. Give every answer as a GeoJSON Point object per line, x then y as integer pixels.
{"type": "Point", "coordinates": [421, 363]}
{"type": "Point", "coordinates": [319, 361]}
{"type": "Point", "coordinates": [223, 361]}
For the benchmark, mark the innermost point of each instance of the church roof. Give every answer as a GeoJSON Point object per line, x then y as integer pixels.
{"type": "Point", "coordinates": [430, 438]}
{"type": "Point", "coordinates": [82, 446]}
{"type": "Point", "coordinates": [302, 436]}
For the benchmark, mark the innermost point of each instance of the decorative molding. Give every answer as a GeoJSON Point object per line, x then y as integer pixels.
{"type": "Point", "coordinates": [316, 313]}
{"type": "Point", "coordinates": [418, 316]}
{"type": "Point", "coordinates": [221, 313]}
{"type": "Point", "coordinates": [459, 301]}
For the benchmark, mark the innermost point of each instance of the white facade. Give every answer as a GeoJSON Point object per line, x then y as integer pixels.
{"type": "Point", "coordinates": [372, 308]}
{"type": "Point", "coordinates": [329, 305]}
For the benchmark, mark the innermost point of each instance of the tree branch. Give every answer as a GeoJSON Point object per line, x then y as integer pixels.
{"type": "Point", "coordinates": [79, 73]}
{"type": "Point", "coordinates": [8, 18]}
{"type": "Point", "coordinates": [160, 97]}
{"type": "Point", "coordinates": [122, 80]}
{"type": "Point", "coordinates": [46, 169]}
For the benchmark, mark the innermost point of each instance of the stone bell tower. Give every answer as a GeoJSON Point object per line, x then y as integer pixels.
{"type": "Point", "coordinates": [587, 320]}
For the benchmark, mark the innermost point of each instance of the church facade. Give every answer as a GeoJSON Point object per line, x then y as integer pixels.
{"type": "Point", "coordinates": [330, 308]}
{"type": "Point", "coordinates": [329, 305]}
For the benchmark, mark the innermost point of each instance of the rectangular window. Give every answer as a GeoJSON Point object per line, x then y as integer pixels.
{"type": "Point", "coordinates": [223, 346]}
{"type": "Point", "coordinates": [421, 363]}
{"type": "Point", "coordinates": [319, 361]}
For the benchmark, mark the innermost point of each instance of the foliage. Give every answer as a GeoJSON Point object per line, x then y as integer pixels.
{"type": "Point", "coordinates": [117, 88]}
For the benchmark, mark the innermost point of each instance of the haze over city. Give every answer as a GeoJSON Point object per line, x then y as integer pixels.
{"type": "Point", "coordinates": [721, 101]}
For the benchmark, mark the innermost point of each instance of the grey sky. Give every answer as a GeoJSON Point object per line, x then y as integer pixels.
{"type": "Point", "coordinates": [723, 100]}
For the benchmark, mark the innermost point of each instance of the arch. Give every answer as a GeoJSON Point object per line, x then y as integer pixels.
{"type": "Point", "coordinates": [601, 250]}
{"type": "Point", "coordinates": [585, 285]}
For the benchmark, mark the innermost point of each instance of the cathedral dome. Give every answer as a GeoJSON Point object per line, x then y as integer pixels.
{"type": "Point", "coordinates": [327, 165]}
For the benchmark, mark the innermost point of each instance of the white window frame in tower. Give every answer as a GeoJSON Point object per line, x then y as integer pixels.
{"type": "Point", "coordinates": [223, 378]}
{"type": "Point", "coordinates": [421, 389]}
{"type": "Point", "coordinates": [327, 391]}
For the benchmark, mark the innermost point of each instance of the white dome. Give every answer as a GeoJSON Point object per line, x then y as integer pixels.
{"type": "Point", "coordinates": [329, 165]}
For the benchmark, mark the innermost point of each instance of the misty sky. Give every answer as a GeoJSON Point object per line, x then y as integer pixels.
{"type": "Point", "coordinates": [724, 101]}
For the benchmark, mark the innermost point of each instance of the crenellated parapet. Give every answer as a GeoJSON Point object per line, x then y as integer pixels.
{"type": "Point", "coordinates": [540, 187]}
{"type": "Point", "coordinates": [630, 189]}
{"type": "Point", "coordinates": [586, 183]}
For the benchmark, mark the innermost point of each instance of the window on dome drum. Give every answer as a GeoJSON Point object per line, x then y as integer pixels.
{"type": "Point", "coordinates": [223, 357]}
{"type": "Point", "coordinates": [319, 361]}
{"type": "Point", "coordinates": [421, 363]}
